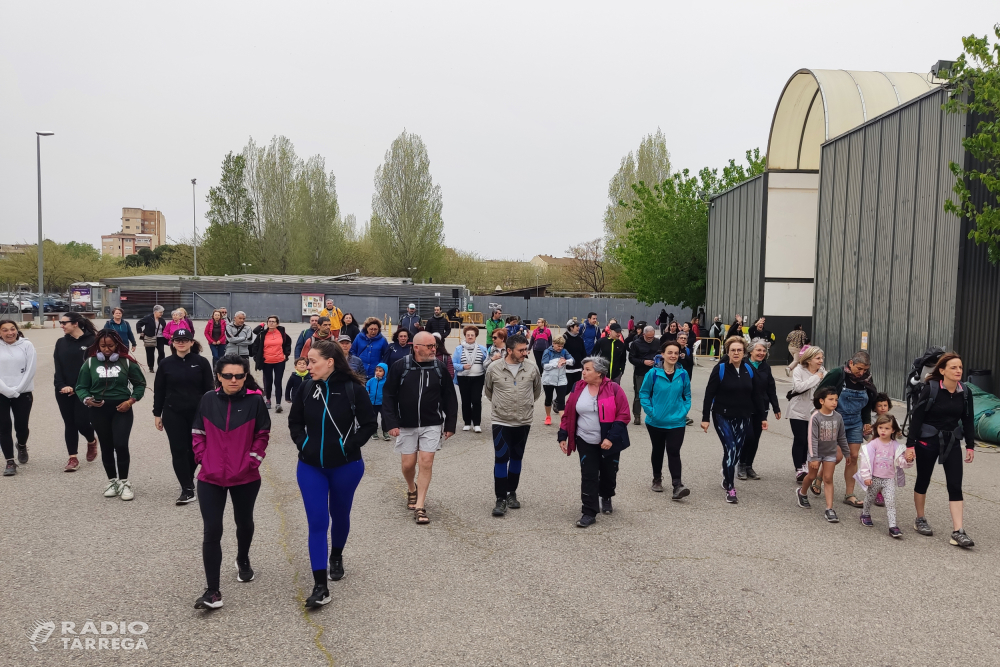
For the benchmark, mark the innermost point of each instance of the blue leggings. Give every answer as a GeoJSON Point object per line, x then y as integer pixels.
{"type": "Point", "coordinates": [508, 452]}
{"type": "Point", "coordinates": [328, 494]}
{"type": "Point", "coordinates": [733, 433]}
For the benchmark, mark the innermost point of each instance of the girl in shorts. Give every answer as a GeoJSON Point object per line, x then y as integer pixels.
{"type": "Point", "coordinates": [826, 434]}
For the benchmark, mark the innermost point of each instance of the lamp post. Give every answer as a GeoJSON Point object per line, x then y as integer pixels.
{"type": "Point", "coordinates": [41, 278]}
{"type": "Point", "coordinates": [194, 224]}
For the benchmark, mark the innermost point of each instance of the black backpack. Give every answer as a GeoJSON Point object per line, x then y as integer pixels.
{"type": "Point", "coordinates": [915, 382]}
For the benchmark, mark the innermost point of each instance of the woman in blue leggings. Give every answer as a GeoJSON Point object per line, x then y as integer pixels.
{"type": "Point", "coordinates": [330, 420]}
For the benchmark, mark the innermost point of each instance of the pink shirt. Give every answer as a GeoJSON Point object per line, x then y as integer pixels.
{"type": "Point", "coordinates": [884, 464]}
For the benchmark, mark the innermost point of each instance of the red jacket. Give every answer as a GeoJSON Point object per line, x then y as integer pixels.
{"type": "Point", "coordinates": [208, 334]}
{"type": "Point", "coordinates": [230, 435]}
{"type": "Point", "coordinates": [612, 411]}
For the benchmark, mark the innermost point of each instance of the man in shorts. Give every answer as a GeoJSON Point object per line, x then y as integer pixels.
{"type": "Point", "coordinates": [419, 407]}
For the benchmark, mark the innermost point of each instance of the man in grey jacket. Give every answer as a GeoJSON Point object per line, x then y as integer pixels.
{"type": "Point", "coordinates": [239, 336]}
{"type": "Point", "coordinates": [512, 388]}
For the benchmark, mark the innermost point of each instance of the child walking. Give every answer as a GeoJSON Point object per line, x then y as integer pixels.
{"type": "Point", "coordinates": [297, 378]}
{"type": "Point", "coordinates": [882, 406]}
{"type": "Point", "coordinates": [826, 434]}
{"type": "Point", "coordinates": [880, 470]}
{"type": "Point", "coordinates": [375, 386]}
{"type": "Point", "coordinates": [555, 359]}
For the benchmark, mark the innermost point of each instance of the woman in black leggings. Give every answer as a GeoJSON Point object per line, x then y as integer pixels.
{"type": "Point", "coordinates": [68, 358]}
{"type": "Point", "coordinates": [17, 380]}
{"type": "Point", "coordinates": [941, 419]}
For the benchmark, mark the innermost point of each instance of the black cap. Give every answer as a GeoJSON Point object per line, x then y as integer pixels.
{"type": "Point", "coordinates": [182, 334]}
{"type": "Point", "coordinates": [616, 327]}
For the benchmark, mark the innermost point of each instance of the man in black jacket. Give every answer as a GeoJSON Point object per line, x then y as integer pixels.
{"type": "Point", "coordinates": [641, 353]}
{"type": "Point", "coordinates": [419, 406]}
{"type": "Point", "coordinates": [438, 323]}
{"type": "Point", "coordinates": [613, 349]}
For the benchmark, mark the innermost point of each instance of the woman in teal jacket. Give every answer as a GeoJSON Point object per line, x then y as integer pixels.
{"type": "Point", "coordinates": [665, 396]}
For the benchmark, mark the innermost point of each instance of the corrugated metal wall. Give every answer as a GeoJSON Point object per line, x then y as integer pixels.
{"type": "Point", "coordinates": [887, 253]}
{"type": "Point", "coordinates": [736, 235]}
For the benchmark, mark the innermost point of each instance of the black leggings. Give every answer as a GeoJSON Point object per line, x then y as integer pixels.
{"type": "Point", "coordinates": [212, 500]}
{"type": "Point", "coordinates": [152, 352]}
{"type": "Point", "coordinates": [113, 430]}
{"type": "Point", "coordinates": [598, 473]}
{"type": "Point", "coordinates": [749, 451]}
{"type": "Point", "coordinates": [76, 419]}
{"type": "Point", "coordinates": [538, 359]}
{"type": "Point", "coordinates": [21, 409]}
{"type": "Point", "coordinates": [670, 440]}
{"type": "Point", "coordinates": [800, 442]}
{"type": "Point", "coordinates": [927, 456]}
{"type": "Point", "coordinates": [471, 390]}
{"type": "Point", "coordinates": [272, 376]}
{"type": "Point", "coordinates": [560, 391]}
{"type": "Point", "coordinates": [177, 424]}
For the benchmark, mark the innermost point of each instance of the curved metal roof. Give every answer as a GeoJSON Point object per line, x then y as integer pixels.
{"type": "Point", "coordinates": [820, 104]}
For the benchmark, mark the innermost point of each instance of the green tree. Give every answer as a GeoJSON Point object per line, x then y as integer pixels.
{"type": "Point", "coordinates": [317, 234]}
{"type": "Point", "coordinates": [270, 178]}
{"type": "Point", "coordinates": [227, 241]}
{"type": "Point", "coordinates": [975, 81]}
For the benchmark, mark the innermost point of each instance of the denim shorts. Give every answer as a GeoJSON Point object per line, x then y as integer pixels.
{"type": "Point", "coordinates": [854, 433]}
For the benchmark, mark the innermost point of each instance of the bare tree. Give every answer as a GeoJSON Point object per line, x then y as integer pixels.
{"type": "Point", "coordinates": [590, 268]}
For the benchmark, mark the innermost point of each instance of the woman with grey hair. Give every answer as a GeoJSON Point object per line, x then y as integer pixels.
{"type": "Point", "coordinates": [150, 330]}
{"type": "Point", "coordinates": [595, 423]}
{"type": "Point", "coordinates": [758, 359]}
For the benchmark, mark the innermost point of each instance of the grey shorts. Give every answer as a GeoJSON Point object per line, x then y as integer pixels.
{"type": "Point", "coordinates": [424, 438]}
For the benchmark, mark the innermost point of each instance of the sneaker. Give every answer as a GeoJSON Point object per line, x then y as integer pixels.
{"type": "Point", "coordinates": [320, 596]}
{"type": "Point", "coordinates": [11, 468]}
{"type": "Point", "coordinates": [336, 572]}
{"type": "Point", "coordinates": [267, 403]}
{"type": "Point", "coordinates": [867, 521]}
{"type": "Point", "coordinates": [477, 429]}
{"type": "Point", "coordinates": [466, 428]}
{"type": "Point", "coordinates": [688, 421]}
{"type": "Point", "coordinates": [112, 489]}
{"type": "Point", "coordinates": [22, 453]}
{"type": "Point", "coordinates": [802, 499]}
{"type": "Point", "coordinates": [125, 490]}
{"type": "Point", "coordinates": [512, 501]}
{"type": "Point", "coordinates": [657, 485]}
{"type": "Point", "coordinates": [501, 507]}
{"type": "Point", "coordinates": [72, 464]}
{"type": "Point", "coordinates": [91, 451]}
{"type": "Point", "coordinates": [637, 421]}
{"type": "Point", "coordinates": [209, 600]}
{"type": "Point", "coordinates": [606, 507]}
{"type": "Point", "coordinates": [800, 475]}
{"type": "Point", "coordinates": [751, 473]}
{"type": "Point", "coordinates": [895, 532]}
{"type": "Point", "coordinates": [741, 472]}
{"type": "Point", "coordinates": [731, 497]}
{"type": "Point", "coordinates": [278, 409]}
{"type": "Point", "coordinates": [960, 539]}
{"type": "Point", "coordinates": [831, 516]}
{"type": "Point", "coordinates": [680, 491]}
{"type": "Point", "coordinates": [374, 436]}
{"type": "Point", "coordinates": [585, 521]}
{"type": "Point", "coordinates": [244, 572]}
{"type": "Point", "coordinates": [548, 420]}
{"type": "Point", "coordinates": [921, 526]}
{"type": "Point", "coordinates": [187, 496]}
{"type": "Point", "coordinates": [385, 436]}
{"type": "Point", "coordinates": [879, 500]}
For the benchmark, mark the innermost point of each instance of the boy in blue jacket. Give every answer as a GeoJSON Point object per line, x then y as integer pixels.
{"type": "Point", "coordinates": [375, 386]}
{"type": "Point", "coordinates": [665, 396]}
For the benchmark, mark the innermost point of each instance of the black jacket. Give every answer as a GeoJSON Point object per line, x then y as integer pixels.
{"type": "Point", "coordinates": [771, 395]}
{"type": "Point", "coordinates": [68, 358]}
{"type": "Point", "coordinates": [736, 395]}
{"type": "Point", "coordinates": [949, 412]}
{"type": "Point", "coordinates": [419, 396]}
{"type": "Point", "coordinates": [181, 382]}
{"type": "Point", "coordinates": [754, 332]}
{"type": "Point", "coordinates": [686, 361]}
{"type": "Point", "coordinates": [324, 428]}
{"type": "Point", "coordinates": [441, 325]}
{"type": "Point", "coordinates": [639, 351]}
{"type": "Point", "coordinates": [577, 350]}
{"type": "Point", "coordinates": [351, 330]}
{"type": "Point", "coordinates": [147, 326]}
{"type": "Point", "coordinates": [257, 346]}
{"type": "Point", "coordinates": [293, 384]}
{"type": "Point", "coordinates": [615, 352]}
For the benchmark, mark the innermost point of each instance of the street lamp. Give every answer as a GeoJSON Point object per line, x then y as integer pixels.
{"type": "Point", "coordinates": [245, 265]}
{"type": "Point", "coordinates": [194, 223]}
{"type": "Point", "coordinates": [41, 289]}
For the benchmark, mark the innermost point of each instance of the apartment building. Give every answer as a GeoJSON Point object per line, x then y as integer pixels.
{"type": "Point", "coordinates": [139, 229]}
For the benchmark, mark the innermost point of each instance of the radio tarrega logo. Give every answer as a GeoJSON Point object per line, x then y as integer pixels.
{"type": "Point", "coordinates": [91, 635]}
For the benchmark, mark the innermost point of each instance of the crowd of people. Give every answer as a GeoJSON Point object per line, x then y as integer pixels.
{"type": "Point", "coordinates": [347, 377]}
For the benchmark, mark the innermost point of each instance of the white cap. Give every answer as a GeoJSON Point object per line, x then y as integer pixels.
{"type": "Point", "coordinates": [412, 305]}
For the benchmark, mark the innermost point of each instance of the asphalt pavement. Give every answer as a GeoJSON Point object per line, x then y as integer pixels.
{"type": "Point", "coordinates": [696, 582]}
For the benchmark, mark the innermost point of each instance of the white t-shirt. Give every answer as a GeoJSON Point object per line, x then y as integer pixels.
{"type": "Point", "coordinates": [588, 424]}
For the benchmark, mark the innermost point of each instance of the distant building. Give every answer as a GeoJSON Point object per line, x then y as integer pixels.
{"type": "Point", "coordinates": [548, 261]}
{"type": "Point", "coordinates": [8, 249]}
{"type": "Point", "coordinates": [122, 244]}
{"type": "Point", "coordinates": [140, 229]}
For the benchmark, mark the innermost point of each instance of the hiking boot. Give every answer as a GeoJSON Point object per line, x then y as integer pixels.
{"type": "Point", "coordinates": [244, 572]}
{"type": "Point", "coordinates": [501, 507]}
{"type": "Point", "coordinates": [606, 507]}
{"type": "Point", "coordinates": [209, 600]}
{"type": "Point", "coordinates": [831, 516]}
{"type": "Point", "coordinates": [867, 521]}
{"type": "Point", "coordinates": [320, 596]}
{"type": "Point", "coordinates": [895, 532]}
{"type": "Point", "coordinates": [751, 473]}
{"type": "Point", "coordinates": [921, 526]}
{"type": "Point", "coordinates": [91, 451]}
{"type": "Point", "coordinates": [657, 485]}
{"type": "Point", "coordinates": [680, 491]}
{"type": "Point", "coordinates": [72, 464]}
{"type": "Point", "coordinates": [112, 489]}
{"type": "Point", "coordinates": [802, 499]}
{"type": "Point", "coordinates": [731, 496]}
{"type": "Point", "coordinates": [336, 572]}
{"type": "Point", "coordinates": [585, 521]}
{"type": "Point", "coordinates": [741, 472]}
{"type": "Point", "coordinates": [11, 468]}
{"type": "Point", "coordinates": [22, 453]}
{"type": "Point", "coordinates": [960, 539]}
{"type": "Point", "coordinates": [879, 500]}
{"type": "Point", "coordinates": [512, 502]}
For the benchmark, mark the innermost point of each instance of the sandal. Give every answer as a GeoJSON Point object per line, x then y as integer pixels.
{"type": "Point", "coordinates": [411, 500]}
{"type": "Point", "coordinates": [420, 516]}
{"type": "Point", "coordinates": [816, 487]}
{"type": "Point", "coordinates": [855, 503]}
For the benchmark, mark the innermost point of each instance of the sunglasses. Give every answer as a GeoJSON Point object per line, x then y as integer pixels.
{"type": "Point", "coordinates": [496, 337]}
{"type": "Point", "coordinates": [232, 376]}
{"type": "Point", "coordinates": [63, 323]}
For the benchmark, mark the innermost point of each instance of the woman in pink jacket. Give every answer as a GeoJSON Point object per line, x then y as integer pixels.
{"type": "Point", "coordinates": [215, 334]}
{"type": "Point", "coordinates": [179, 320]}
{"type": "Point", "coordinates": [230, 433]}
{"type": "Point", "coordinates": [595, 424]}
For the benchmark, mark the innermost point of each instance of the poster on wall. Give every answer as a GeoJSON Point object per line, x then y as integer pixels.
{"type": "Point", "coordinates": [312, 304]}
{"type": "Point", "coordinates": [80, 295]}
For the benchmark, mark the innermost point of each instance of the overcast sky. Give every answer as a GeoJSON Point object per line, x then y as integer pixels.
{"type": "Point", "coordinates": [526, 108]}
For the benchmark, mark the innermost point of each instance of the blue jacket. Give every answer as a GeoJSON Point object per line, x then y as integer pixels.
{"type": "Point", "coordinates": [590, 333]}
{"type": "Point", "coordinates": [375, 385]}
{"type": "Point", "coordinates": [665, 400]}
{"type": "Point", "coordinates": [124, 331]}
{"type": "Point", "coordinates": [369, 350]}
{"type": "Point", "coordinates": [301, 342]}
{"type": "Point", "coordinates": [456, 360]}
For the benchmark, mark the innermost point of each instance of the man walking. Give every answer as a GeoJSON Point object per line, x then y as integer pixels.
{"type": "Point", "coordinates": [323, 332]}
{"type": "Point", "coordinates": [641, 354]}
{"type": "Point", "coordinates": [306, 334]}
{"type": "Point", "coordinates": [410, 322]}
{"type": "Point", "coordinates": [419, 407]}
{"type": "Point", "coordinates": [590, 332]}
{"type": "Point", "coordinates": [495, 322]}
{"type": "Point", "coordinates": [438, 323]}
{"type": "Point", "coordinates": [512, 388]}
{"type": "Point", "coordinates": [612, 348]}
{"type": "Point", "coordinates": [239, 336]}
{"type": "Point", "coordinates": [336, 316]}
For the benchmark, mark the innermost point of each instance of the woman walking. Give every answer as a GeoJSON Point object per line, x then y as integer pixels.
{"type": "Point", "coordinates": [498, 350]}
{"type": "Point", "coordinates": [110, 383]}
{"type": "Point", "coordinates": [470, 375]}
{"type": "Point", "coordinates": [181, 380]}
{"type": "Point", "coordinates": [595, 423]}
{"type": "Point", "coordinates": [555, 361]}
{"type": "Point", "coordinates": [179, 320]}
{"type": "Point", "coordinates": [150, 330]}
{"type": "Point", "coordinates": [941, 419]}
{"type": "Point", "coordinates": [541, 340]}
{"type": "Point", "coordinates": [270, 350]}
{"type": "Point", "coordinates": [399, 348]}
{"type": "Point", "coordinates": [441, 354]}
{"type": "Point", "coordinates": [330, 420]}
{"type": "Point", "coordinates": [758, 359]}
{"type": "Point", "coordinates": [805, 379]}
{"type": "Point", "coordinates": [577, 350]}
{"type": "Point", "coordinates": [665, 396]}
{"type": "Point", "coordinates": [733, 396]}
{"type": "Point", "coordinates": [230, 432]}
{"type": "Point", "coordinates": [120, 326]}
{"type": "Point", "coordinates": [350, 327]}
{"type": "Point", "coordinates": [215, 334]}
{"type": "Point", "coordinates": [370, 345]}
{"type": "Point", "coordinates": [70, 350]}
{"type": "Point", "coordinates": [17, 382]}
{"type": "Point", "coordinates": [671, 332]}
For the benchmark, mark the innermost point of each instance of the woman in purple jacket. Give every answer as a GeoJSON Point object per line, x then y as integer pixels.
{"type": "Point", "coordinates": [230, 433]}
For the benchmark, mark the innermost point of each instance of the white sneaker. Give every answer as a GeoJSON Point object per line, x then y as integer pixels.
{"type": "Point", "coordinates": [112, 489]}
{"type": "Point", "coordinates": [126, 490]}
{"type": "Point", "coordinates": [466, 428]}
{"type": "Point", "coordinates": [477, 429]}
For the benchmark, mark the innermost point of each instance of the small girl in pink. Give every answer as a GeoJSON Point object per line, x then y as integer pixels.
{"type": "Point", "coordinates": [880, 470]}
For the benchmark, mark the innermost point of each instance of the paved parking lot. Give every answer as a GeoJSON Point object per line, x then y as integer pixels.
{"type": "Point", "coordinates": [658, 582]}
